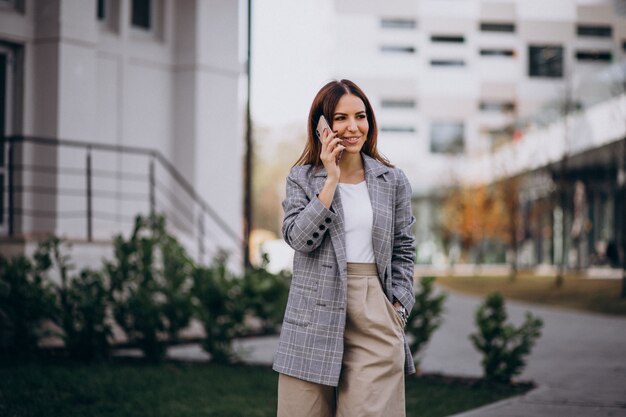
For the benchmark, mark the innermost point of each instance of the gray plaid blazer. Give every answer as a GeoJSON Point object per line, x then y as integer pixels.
{"type": "Point", "coordinates": [311, 339]}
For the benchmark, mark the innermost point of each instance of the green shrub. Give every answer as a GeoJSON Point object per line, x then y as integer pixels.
{"type": "Point", "coordinates": [220, 306]}
{"type": "Point", "coordinates": [503, 346]}
{"type": "Point", "coordinates": [265, 295]}
{"type": "Point", "coordinates": [150, 286]}
{"type": "Point", "coordinates": [82, 302]}
{"type": "Point", "coordinates": [26, 300]}
{"type": "Point", "coordinates": [425, 317]}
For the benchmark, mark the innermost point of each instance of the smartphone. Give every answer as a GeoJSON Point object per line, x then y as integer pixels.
{"type": "Point", "coordinates": [322, 124]}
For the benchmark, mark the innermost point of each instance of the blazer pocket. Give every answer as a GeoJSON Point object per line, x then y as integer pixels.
{"type": "Point", "coordinates": [298, 309]}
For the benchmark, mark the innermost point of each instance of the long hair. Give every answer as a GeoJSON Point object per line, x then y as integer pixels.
{"type": "Point", "coordinates": [325, 103]}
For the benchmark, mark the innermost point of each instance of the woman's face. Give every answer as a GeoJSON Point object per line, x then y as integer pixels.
{"type": "Point", "coordinates": [350, 122]}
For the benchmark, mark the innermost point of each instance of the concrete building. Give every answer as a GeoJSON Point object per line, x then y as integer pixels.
{"type": "Point", "coordinates": [113, 108]}
{"type": "Point", "coordinates": [455, 80]}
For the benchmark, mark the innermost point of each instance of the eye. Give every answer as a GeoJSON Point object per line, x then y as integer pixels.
{"type": "Point", "coordinates": [361, 116]}
{"type": "Point", "coordinates": [339, 118]}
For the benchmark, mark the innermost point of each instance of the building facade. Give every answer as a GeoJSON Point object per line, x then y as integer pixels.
{"type": "Point", "coordinates": [454, 81]}
{"type": "Point", "coordinates": [114, 108]}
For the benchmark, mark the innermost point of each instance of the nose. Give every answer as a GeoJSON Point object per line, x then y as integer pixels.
{"type": "Point", "coordinates": [352, 126]}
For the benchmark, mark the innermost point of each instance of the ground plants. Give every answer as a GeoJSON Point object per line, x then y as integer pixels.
{"type": "Point", "coordinates": [150, 280]}
{"type": "Point", "coordinates": [425, 317]}
{"type": "Point", "coordinates": [26, 300]}
{"type": "Point", "coordinates": [231, 306]}
{"type": "Point", "coordinates": [503, 346]}
{"type": "Point", "coordinates": [125, 388]}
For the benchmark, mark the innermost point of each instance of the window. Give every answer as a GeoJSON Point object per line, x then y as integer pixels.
{"type": "Point", "coordinates": [397, 129]}
{"type": "Point", "coordinates": [393, 49]}
{"type": "Point", "coordinates": [447, 39]}
{"type": "Point", "coordinates": [17, 5]}
{"type": "Point", "coordinates": [594, 56]}
{"type": "Point", "coordinates": [447, 138]}
{"type": "Point", "coordinates": [141, 14]}
{"type": "Point", "coordinates": [497, 52]}
{"type": "Point", "coordinates": [397, 23]}
{"type": "Point", "coordinates": [497, 27]}
{"type": "Point", "coordinates": [447, 63]}
{"type": "Point", "coordinates": [545, 61]}
{"type": "Point", "coordinates": [497, 106]}
{"type": "Point", "coordinates": [101, 9]}
{"type": "Point", "coordinates": [595, 31]}
{"type": "Point", "coordinates": [397, 103]}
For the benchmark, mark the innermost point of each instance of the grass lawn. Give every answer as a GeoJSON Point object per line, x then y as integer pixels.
{"type": "Point", "coordinates": [130, 388]}
{"type": "Point", "coordinates": [596, 295]}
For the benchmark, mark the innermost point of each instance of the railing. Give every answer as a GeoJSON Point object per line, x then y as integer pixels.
{"type": "Point", "coordinates": [91, 191]}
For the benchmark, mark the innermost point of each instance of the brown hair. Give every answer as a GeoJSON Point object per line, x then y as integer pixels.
{"type": "Point", "coordinates": [325, 103]}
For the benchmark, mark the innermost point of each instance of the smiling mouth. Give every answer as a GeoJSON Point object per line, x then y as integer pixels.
{"type": "Point", "coordinates": [351, 141]}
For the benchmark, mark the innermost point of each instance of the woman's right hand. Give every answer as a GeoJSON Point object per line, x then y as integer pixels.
{"type": "Point", "coordinates": [331, 149]}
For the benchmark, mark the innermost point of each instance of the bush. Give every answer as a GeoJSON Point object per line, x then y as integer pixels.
{"type": "Point", "coordinates": [26, 300]}
{"type": "Point", "coordinates": [425, 317]}
{"type": "Point", "coordinates": [150, 286]}
{"type": "Point", "coordinates": [266, 295]}
{"type": "Point", "coordinates": [503, 346]}
{"type": "Point", "coordinates": [230, 306]}
{"type": "Point", "coordinates": [81, 304]}
{"type": "Point", "coordinates": [218, 304]}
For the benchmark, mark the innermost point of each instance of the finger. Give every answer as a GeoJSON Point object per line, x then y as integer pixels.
{"type": "Point", "coordinates": [336, 142]}
{"type": "Point", "coordinates": [338, 149]}
{"type": "Point", "coordinates": [328, 135]}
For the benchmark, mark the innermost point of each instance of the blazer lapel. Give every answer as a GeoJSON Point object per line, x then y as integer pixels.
{"type": "Point", "coordinates": [336, 229]}
{"type": "Point", "coordinates": [381, 197]}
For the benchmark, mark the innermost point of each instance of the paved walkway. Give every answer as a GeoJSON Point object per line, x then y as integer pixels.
{"type": "Point", "coordinates": [579, 363]}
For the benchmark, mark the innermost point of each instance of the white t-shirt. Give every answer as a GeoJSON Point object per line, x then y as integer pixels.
{"type": "Point", "coordinates": [358, 219]}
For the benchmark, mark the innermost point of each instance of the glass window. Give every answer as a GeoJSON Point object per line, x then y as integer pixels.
{"type": "Point", "coordinates": [447, 138]}
{"type": "Point", "coordinates": [545, 61]}
{"type": "Point", "coordinates": [397, 23]}
{"type": "Point", "coordinates": [600, 56]}
{"type": "Point", "coordinates": [397, 129]}
{"type": "Point", "coordinates": [141, 14]}
{"type": "Point", "coordinates": [447, 63]}
{"type": "Point", "coordinates": [497, 52]}
{"type": "Point", "coordinates": [447, 38]}
{"type": "Point", "coordinates": [497, 27]}
{"type": "Point", "coordinates": [596, 31]}
{"type": "Point", "coordinates": [17, 5]}
{"type": "Point", "coordinates": [101, 9]}
{"type": "Point", "coordinates": [394, 49]}
{"type": "Point", "coordinates": [398, 103]}
{"type": "Point", "coordinates": [497, 106]}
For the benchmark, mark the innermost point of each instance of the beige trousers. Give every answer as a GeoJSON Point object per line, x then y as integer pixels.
{"type": "Point", "coordinates": [372, 375]}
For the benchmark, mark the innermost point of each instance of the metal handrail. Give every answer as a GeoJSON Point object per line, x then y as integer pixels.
{"type": "Point", "coordinates": [118, 149]}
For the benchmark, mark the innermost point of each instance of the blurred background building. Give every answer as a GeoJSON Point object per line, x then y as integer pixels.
{"type": "Point", "coordinates": [113, 108]}
{"type": "Point", "coordinates": [521, 95]}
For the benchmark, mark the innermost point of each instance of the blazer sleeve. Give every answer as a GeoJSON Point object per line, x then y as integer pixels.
{"type": "Point", "coordinates": [306, 219]}
{"type": "Point", "coordinates": [403, 249]}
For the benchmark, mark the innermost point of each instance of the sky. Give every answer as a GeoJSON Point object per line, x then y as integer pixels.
{"type": "Point", "coordinates": [291, 58]}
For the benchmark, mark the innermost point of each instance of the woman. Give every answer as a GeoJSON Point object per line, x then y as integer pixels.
{"type": "Point", "coordinates": [348, 217]}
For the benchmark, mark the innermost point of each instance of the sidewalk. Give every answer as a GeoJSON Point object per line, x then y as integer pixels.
{"type": "Point", "coordinates": [579, 363]}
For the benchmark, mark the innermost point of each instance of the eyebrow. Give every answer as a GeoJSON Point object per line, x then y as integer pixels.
{"type": "Point", "coordinates": [345, 114]}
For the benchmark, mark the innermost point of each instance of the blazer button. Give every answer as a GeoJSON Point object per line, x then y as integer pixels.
{"type": "Point", "coordinates": [316, 235]}
{"type": "Point", "coordinates": [309, 242]}
{"type": "Point", "coordinates": [327, 220]}
{"type": "Point", "coordinates": [322, 227]}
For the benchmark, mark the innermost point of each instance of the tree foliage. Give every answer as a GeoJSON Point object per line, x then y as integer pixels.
{"type": "Point", "coordinates": [504, 346]}
{"type": "Point", "coordinates": [426, 316]}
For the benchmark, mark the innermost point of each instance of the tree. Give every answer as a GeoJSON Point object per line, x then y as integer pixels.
{"type": "Point", "coordinates": [475, 213]}
{"type": "Point", "coordinates": [503, 346]}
